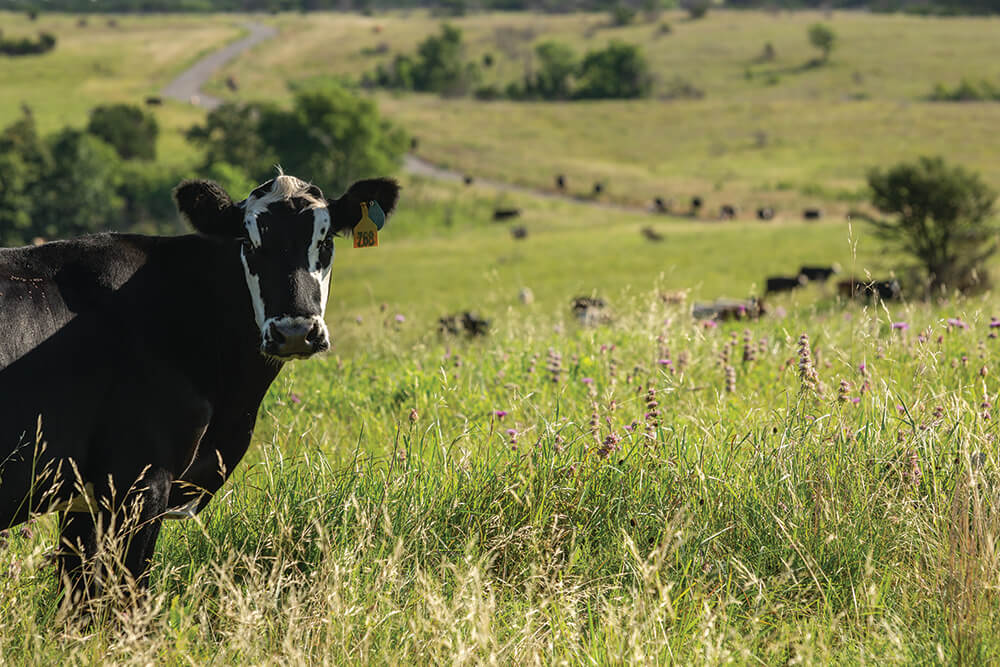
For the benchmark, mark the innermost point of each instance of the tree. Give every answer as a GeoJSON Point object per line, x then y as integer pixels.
{"type": "Point", "coordinates": [823, 38]}
{"type": "Point", "coordinates": [77, 194]}
{"type": "Point", "coordinates": [557, 63]}
{"type": "Point", "coordinates": [131, 131]}
{"type": "Point", "coordinates": [231, 135]}
{"type": "Point", "coordinates": [617, 72]}
{"type": "Point", "coordinates": [942, 216]}
{"type": "Point", "coordinates": [333, 137]}
{"type": "Point", "coordinates": [696, 9]}
{"type": "Point", "coordinates": [24, 157]}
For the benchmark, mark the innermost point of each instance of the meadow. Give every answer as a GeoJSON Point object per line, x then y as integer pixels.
{"type": "Point", "coordinates": [817, 486]}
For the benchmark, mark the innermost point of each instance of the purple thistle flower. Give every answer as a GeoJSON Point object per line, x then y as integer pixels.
{"type": "Point", "coordinates": [664, 362]}
{"type": "Point", "coordinates": [500, 414]}
{"type": "Point", "coordinates": [994, 323]}
{"type": "Point", "coordinates": [856, 400]}
{"type": "Point", "coordinates": [400, 318]}
{"type": "Point", "coordinates": [357, 319]}
{"type": "Point", "coordinates": [710, 324]}
{"type": "Point", "coordinates": [294, 398]}
{"type": "Point", "coordinates": [587, 380]}
{"type": "Point", "coordinates": [902, 326]}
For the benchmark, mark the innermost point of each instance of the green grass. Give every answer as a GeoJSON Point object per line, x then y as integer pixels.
{"type": "Point", "coordinates": [100, 64]}
{"type": "Point", "coordinates": [805, 139]}
{"type": "Point", "coordinates": [760, 520]}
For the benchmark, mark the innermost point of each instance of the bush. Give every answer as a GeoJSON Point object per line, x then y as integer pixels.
{"type": "Point", "coordinates": [622, 15]}
{"type": "Point", "coordinates": [556, 66]}
{"type": "Point", "coordinates": [437, 67]}
{"type": "Point", "coordinates": [128, 129]}
{"type": "Point", "coordinates": [966, 91]}
{"type": "Point", "coordinates": [619, 71]}
{"type": "Point", "coordinates": [823, 38]}
{"type": "Point", "coordinates": [27, 47]}
{"type": "Point", "coordinates": [696, 9]}
{"type": "Point", "coordinates": [942, 217]}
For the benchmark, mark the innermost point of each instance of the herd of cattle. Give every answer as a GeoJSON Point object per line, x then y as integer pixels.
{"type": "Point", "coordinates": [850, 288]}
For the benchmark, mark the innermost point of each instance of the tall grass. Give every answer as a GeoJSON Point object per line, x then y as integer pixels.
{"type": "Point", "coordinates": [589, 494]}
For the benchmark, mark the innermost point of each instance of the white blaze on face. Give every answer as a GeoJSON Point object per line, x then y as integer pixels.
{"type": "Point", "coordinates": [321, 228]}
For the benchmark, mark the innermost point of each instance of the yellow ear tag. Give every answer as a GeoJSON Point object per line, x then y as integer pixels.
{"type": "Point", "coordinates": [365, 232]}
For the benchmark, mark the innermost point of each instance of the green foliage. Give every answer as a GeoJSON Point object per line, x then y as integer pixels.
{"type": "Point", "coordinates": [26, 46]}
{"type": "Point", "coordinates": [437, 67]}
{"type": "Point", "coordinates": [823, 38]}
{"type": "Point", "coordinates": [966, 91]}
{"type": "Point", "coordinates": [556, 66]}
{"type": "Point", "coordinates": [696, 9]}
{"type": "Point", "coordinates": [130, 130]}
{"type": "Point", "coordinates": [24, 158]}
{"type": "Point", "coordinates": [622, 15]}
{"type": "Point", "coordinates": [619, 71]}
{"type": "Point", "coordinates": [77, 194]}
{"type": "Point", "coordinates": [942, 218]}
{"type": "Point", "coordinates": [331, 133]}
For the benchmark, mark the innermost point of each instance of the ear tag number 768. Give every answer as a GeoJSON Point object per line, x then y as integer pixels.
{"type": "Point", "coordinates": [366, 231]}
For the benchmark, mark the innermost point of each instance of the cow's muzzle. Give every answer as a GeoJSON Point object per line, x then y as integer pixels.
{"type": "Point", "coordinates": [294, 337]}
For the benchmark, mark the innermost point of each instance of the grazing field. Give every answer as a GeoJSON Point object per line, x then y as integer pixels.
{"type": "Point", "coordinates": [99, 63]}
{"type": "Point", "coordinates": [780, 133]}
{"type": "Point", "coordinates": [817, 486]}
{"type": "Point", "coordinates": [647, 490]}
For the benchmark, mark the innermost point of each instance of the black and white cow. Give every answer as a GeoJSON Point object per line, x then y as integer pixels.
{"type": "Point", "coordinates": [132, 367]}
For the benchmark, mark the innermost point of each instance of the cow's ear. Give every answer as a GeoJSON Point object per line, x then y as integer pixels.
{"type": "Point", "coordinates": [346, 211]}
{"type": "Point", "coordinates": [209, 209]}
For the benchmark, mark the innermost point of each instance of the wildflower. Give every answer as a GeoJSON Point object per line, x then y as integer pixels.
{"type": "Point", "coordinates": [554, 366]}
{"type": "Point", "coordinates": [900, 326]}
{"type": "Point", "coordinates": [512, 434]}
{"type": "Point", "coordinates": [843, 391]}
{"type": "Point", "coordinates": [400, 318]}
{"type": "Point", "coordinates": [710, 324]}
{"type": "Point", "coordinates": [587, 380]}
{"type": "Point", "coordinates": [912, 473]}
{"type": "Point", "coordinates": [499, 414]}
{"type": "Point", "coordinates": [357, 319]}
{"type": "Point", "coordinates": [856, 400]}
{"type": "Point", "coordinates": [749, 353]}
{"type": "Point", "coordinates": [983, 371]}
{"type": "Point", "coordinates": [957, 323]}
{"type": "Point", "coordinates": [994, 323]}
{"type": "Point", "coordinates": [664, 362]}
{"type": "Point", "coordinates": [595, 423]}
{"type": "Point", "coordinates": [863, 369]}
{"type": "Point", "coordinates": [807, 371]}
{"type": "Point", "coordinates": [558, 444]}
{"type": "Point", "coordinates": [609, 445]}
{"type": "Point", "coordinates": [900, 409]}
{"type": "Point", "coordinates": [652, 416]}
{"type": "Point", "coordinates": [413, 415]}
{"type": "Point", "coordinates": [730, 373]}
{"type": "Point", "coordinates": [294, 398]}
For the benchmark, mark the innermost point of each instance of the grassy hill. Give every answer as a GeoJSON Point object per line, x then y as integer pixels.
{"type": "Point", "coordinates": [779, 133]}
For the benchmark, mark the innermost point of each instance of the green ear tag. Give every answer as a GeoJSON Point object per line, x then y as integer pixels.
{"type": "Point", "coordinates": [366, 231]}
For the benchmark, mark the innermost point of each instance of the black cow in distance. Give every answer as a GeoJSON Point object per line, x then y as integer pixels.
{"type": "Point", "coordinates": [132, 367]}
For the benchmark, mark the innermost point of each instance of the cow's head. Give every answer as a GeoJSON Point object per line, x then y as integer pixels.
{"type": "Point", "coordinates": [286, 229]}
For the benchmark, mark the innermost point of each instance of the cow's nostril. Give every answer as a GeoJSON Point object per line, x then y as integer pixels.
{"type": "Point", "coordinates": [314, 335]}
{"type": "Point", "coordinates": [275, 333]}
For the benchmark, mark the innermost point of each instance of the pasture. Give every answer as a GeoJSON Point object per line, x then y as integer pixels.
{"type": "Point", "coordinates": [651, 489]}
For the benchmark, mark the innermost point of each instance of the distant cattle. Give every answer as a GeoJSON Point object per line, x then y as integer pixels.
{"type": "Point", "coordinates": [154, 101]}
{"type": "Point", "coordinates": [232, 84]}
{"type": "Point", "coordinates": [727, 212]}
{"type": "Point", "coordinates": [819, 274]}
{"type": "Point", "coordinates": [132, 367]}
{"type": "Point", "coordinates": [590, 311]}
{"type": "Point", "coordinates": [505, 213]}
{"type": "Point", "coordinates": [414, 143]}
{"type": "Point", "coordinates": [812, 214]}
{"type": "Point", "coordinates": [112, 23]}
{"type": "Point", "coordinates": [775, 284]}
{"type": "Point", "coordinates": [886, 290]}
{"type": "Point", "coordinates": [696, 203]}
{"type": "Point", "coordinates": [660, 205]}
{"type": "Point", "coordinates": [560, 182]}
{"type": "Point", "coordinates": [598, 188]}
{"type": "Point", "coordinates": [723, 310]}
{"type": "Point", "coordinates": [520, 232]}
{"type": "Point", "coordinates": [765, 213]}
{"type": "Point", "coordinates": [468, 180]}
{"type": "Point", "coordinates": [466, 322]}
{"type": "Point", "coordinates": [651, 234]}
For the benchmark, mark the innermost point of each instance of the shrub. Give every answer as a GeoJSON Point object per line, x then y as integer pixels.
{"type": "Point", "coordinates": [696, 9]}
{"type": "Point", "coordinates": [27, 47]}
{"type": "Point", "coordinates": [557, 64]}
{"type": "Point", "coordinates": [619, 71]}
{"type": "Point", "coordinates": [823, 38]}
{"type": "Point", "coordinates": [966, 91]}
{"type": "Point", "coordinates": [941, 216]}
{"type": "Point", "coordinates": [128, 129]}
{"type": "Point", "coordinates": [622, 15]}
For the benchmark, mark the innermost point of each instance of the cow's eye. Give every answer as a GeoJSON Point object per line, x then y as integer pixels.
{"type": "Point", "coordinates": [326, 245]}
{"type": "Point", "coordinates": [247, 246]}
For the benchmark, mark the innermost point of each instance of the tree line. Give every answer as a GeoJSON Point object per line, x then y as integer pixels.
{"type": "Point", "coordinates": [458, 7]}
{"type": "Point", "coordinates": [105, 177]}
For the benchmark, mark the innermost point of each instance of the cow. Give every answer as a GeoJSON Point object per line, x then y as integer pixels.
{"type": "Point", "coordinates": [886, 290]}
{"type": "Point", "coordinates": [660, 205]}
{"type": "Point", "coordinates": [598, 189]}
{"type": "Point", "coordinates": [132, 367]}
{"type": "Point", "coordinates": [560, 182]}
{"type": "Point", "coordinates": [819, 274]}
{"type": "Point", "coordinates": [154, 101]}
{"type": "Point", "coordinates": [651, 234]}
{"type": "Point", "coordinates": [812, 214]}
{"type": "Point", "coordinates": [519, 233]}
{"type": "Point", "coordinates": [765, 213]}
{"type": "Point", "coordinates": [775, 284]}
{"type": "Point", "coordinates": [727, 212]}
{"type": "Point", "coordinates": [590, 310]}
{"type": "Point", "coordinates": [724, 310]}
{"type": "Point", "coordinates": [500, 214]}
{"type": "Point", "coordinates": [467, 322]}
{"type": "Point", "coordinates": [468, 180]}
